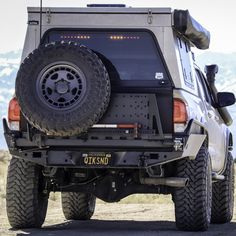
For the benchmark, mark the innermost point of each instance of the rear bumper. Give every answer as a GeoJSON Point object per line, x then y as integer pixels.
{"type": "Point", "coordinates": [75, 159]}
{"type": "Point", "coordinates": [69, 152]}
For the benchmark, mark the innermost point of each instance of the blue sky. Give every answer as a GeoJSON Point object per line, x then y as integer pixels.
{"type": "Point", "coordinates": [217, 16]}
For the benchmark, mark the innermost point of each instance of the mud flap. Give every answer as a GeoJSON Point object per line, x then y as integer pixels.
{"type": "Point", "coordinates": [193, 145]}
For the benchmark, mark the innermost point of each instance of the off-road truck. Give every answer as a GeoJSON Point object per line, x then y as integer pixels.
{"type": "Point", "coordinates": [110, 102]}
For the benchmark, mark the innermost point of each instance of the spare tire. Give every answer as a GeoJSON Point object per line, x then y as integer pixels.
{"type": "Point", "coordinates": [62, 88]}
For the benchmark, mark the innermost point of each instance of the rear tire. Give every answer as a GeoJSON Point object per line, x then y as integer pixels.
{"type": "Point", "coordinates": [26, 202]}
{"type": "Point", "coordinates": [223, 195]}
{"type": "Point", "coordinates": [78, 206]}
{"type": "Point", "coordinates": [193, 203]}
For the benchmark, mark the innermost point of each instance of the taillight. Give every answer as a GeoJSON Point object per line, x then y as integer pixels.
{"type": "Point", "coordinates": [180, 111]}
{"type": "Point", "coordinates": [180, 115]}
{"type": "Point", "coordinates": [14, 114]}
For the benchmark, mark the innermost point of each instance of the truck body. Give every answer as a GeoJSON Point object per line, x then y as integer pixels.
{"type": "Point", "coordinates": [159, 110]}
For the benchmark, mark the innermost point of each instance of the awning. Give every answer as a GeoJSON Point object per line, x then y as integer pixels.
{"type": "Point", "coordinates": [191, 29]}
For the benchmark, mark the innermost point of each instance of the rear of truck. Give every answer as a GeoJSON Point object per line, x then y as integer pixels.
{"type": "Point", "coordinates": [99, 108]}
{"type": "Point", "coordinates": [140, 113]}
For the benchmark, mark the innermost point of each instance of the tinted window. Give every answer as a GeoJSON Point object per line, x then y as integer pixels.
{"type": "Point", "coordinates": [205, 87]}
{"type": "Point", "coordinates": [185, 55]}
{"type": "Point", "coordinates": [200, 88]}
{"type": "Point", "coordinates": [126, 55]}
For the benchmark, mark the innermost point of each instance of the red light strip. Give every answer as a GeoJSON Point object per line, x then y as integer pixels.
{"type": "Point", "coordinates": [75, 37]}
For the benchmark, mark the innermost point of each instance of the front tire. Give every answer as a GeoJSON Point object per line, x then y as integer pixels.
{"type": "Point", "coordinates": [26, 201]}
{"type": "Point", "coordinates": [78, 206]}
{"type": "Point", "coordinates": [223, 195]}
{"type": "Point", "coordinates": [193, 203]}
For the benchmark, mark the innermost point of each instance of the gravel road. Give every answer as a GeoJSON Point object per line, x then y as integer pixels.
{"type": "Point", "coordinates": [117, 219]}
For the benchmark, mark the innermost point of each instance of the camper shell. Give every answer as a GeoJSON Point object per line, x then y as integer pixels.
{"type": "Point", "coordinates": [173, 33]}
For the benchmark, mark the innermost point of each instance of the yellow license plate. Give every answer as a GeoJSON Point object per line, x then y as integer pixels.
{"type": "Point", "coordinates": [97, 159]}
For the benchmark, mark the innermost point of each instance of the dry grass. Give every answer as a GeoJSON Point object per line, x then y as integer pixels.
{"type": "Point", "coordinates": [4, 159]}
{"type": "Point", "coordinates": [132, 199]}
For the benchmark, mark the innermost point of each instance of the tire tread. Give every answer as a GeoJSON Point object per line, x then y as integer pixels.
{"type": "Point", "coordinates": [23, 209]}
{"type": "Point", "coordinates": [78, 206]}
{"type": "Point", "coordinates": [223, 195]}
{"type": "Point", "coordinates": [190, 203]}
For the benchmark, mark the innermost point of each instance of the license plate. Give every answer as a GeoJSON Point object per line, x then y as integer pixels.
{"type": "Point", "coordinates": [96, 159]}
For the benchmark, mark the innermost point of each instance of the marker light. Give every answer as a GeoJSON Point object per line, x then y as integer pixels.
{"type": "Point", "coordinates": [121, 37]}
{"type": "Point", "coordinates": [75, 37]}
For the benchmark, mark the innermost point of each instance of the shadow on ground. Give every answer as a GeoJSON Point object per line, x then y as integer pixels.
{"type": "Point", "coordinates": [124, 228]}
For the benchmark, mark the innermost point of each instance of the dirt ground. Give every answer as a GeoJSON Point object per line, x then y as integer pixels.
{"type": "Point", "coordinates": [116, 219]}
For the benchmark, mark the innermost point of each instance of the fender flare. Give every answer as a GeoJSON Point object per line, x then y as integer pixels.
{"type": "Point", "coordinates": [229, 147]}
{"type": "Point", "coordinates": [196, 127]}
{"type": "Point", "coordinates": [229, 140]}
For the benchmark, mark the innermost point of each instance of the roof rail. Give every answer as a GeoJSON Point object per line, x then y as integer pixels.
{"type": "Point", "coordinates": [106, 5]}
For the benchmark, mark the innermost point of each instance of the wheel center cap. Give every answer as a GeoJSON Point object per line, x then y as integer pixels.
{"type": "Point", "coordinates": [62, 87]}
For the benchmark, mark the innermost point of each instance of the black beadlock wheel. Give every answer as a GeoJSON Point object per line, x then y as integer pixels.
{"type": "Point", "coordinates": [63, 88]}
{"type": "Point", "coordinates": [193, 202]}
{"type": "Point", "coordinates": [26, 202]}
{"type": "Point", "coordinates": [223, 195]}
{"type": "Point", "coordinates": [78, 206]}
